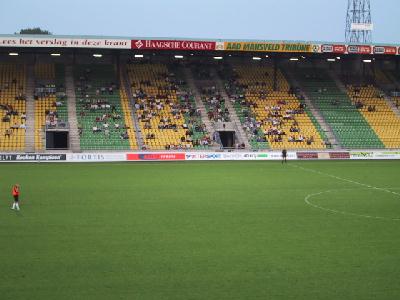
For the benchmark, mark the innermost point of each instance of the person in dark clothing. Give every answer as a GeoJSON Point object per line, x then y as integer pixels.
{"type": "Point", "coordinates": [284, 156]}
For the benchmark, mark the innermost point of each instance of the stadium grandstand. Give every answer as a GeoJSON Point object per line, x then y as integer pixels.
{"type": "Point", "coordinates": [68, 93]}
{"type": "Point", "coordinates": [198, 169]}
{"type": "Point", "coordinates": [186, 168]}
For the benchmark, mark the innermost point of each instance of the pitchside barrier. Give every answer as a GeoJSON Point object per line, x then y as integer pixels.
{"type": "Point", "coordinates": [198, 156]}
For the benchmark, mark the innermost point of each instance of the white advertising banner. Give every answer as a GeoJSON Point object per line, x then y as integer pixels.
{"type": "Point", "coordinates": [96, 157]}
{"type": "Point", "coordinates": [375, 154]}
{"type": "Point", "coordinates": [53, 42]}
{"type": "Point", "coordinates": [196, 156]}
{"type": "Point", "coordinates": [238, 155]}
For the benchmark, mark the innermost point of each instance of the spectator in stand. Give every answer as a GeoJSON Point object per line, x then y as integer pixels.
{"type": "Point", "coordinates": [359, 104]}
{"type": "Point", "coordinates": [8, 132]}
{"type": "Point", "coordinates": [124, 135]}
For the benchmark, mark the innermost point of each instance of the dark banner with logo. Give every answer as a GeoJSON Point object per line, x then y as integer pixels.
{"type": "Point", "coordinates": [33, 157]}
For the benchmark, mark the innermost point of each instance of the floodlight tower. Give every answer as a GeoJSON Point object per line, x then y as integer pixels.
{"type": "Point", "coordinates": [358, 22]}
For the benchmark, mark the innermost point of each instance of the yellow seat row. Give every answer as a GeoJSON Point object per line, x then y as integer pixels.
{"type": "Point", "coordinates": [12, 85]}
{"type": "Point", "coordinates": [382, 119]}
{"type": "Point", "coordinates": [44, 73]}
{"type": "Point", "coordinates": [259, 93]}
{"type": "Point", "coordinates": [140, 75]}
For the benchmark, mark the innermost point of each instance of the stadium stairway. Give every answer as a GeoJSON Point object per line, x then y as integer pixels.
{"type": "Point", "coordinates": [30, 109]}
{"type": "Point", "coordinates": [387, 82]}
{"type": "Point", "coordinates": [126, 87]}
{"type": "Point", "coordinates": [197, 97]}
{"type": "Point", "coordinates": [72, 119]}
{"type": "Point", "coordinates": [315, 113]}
{"type": "Point", "coordinates": [242, 137]}
{"type": "Point", "coordinates": [391, 103]}
{"type": "Point", "coordinates": [330, 97]}
{"type": "Point", "coordinates": [337, 81]}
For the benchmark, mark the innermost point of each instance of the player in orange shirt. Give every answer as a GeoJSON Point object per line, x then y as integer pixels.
{"type": "Point", "coordinates": [15, 194]}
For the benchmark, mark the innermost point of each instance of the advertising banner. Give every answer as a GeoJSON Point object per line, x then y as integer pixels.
{"type": "Point", "coordinates": [219, 46]}
{"type": "Point", "coordinates": [337, 49]}
{"type": "Point", "coordinates": [316, 48]}
{"type": "Point", "coordinates": [323, 155]}
{"type": "Point", "coordinates": [172, 45]}
{"type": "Point", "coordinates": [385, 50]}
{"type": "Point", "coordinates": [64, 42]}
{"type": "Point", "coordinates": [198, 156]}
{"type": "Point", "coordinates": [267, 47]}
{"type": "Point", "coordinates": [276, 155]}
{"type": "Point", "coordinates": [224, 156]}
{"type": "Point", "coordinates": [95, 157]}
{"type": "Point", "coordinates": [375, 154]}
{"type": "Point", "coordinates": [155, 156]}
{"type": "Point", "coordinates": [32, 157]}
{"type": "Point", "coordinates": [359, 49]}
{"type": "Point", "coordinates": [307, 155]}
{"type": "Point", "coordinates": [339, 155]}
{"type": "Point", "coordinates": [361, 154]}
{"type": "Point", "coordinates": [386, 155]}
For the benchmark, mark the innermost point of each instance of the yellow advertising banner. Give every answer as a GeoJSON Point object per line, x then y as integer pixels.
{"type": "Point", "coordinates": [267, 47]}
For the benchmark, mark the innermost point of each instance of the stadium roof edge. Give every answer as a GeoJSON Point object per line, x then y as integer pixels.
{"type": "Point", "coordinates": [186, 39]}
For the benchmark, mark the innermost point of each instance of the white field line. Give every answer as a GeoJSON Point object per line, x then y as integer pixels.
{"type": "Point", "coordinates": [346, 180]}
{"type": "Point", "coordinates": [307, 200]}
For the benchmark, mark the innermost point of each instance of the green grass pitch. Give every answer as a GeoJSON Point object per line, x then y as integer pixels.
{"type": "Point", "coordinates": [226, 230]}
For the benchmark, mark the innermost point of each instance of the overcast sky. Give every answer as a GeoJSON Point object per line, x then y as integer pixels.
{"type": "Point", "coordinates": [317, 20]}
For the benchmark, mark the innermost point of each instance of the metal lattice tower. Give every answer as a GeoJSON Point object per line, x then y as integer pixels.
{"type": "Point", "coordinates": [358, 12]}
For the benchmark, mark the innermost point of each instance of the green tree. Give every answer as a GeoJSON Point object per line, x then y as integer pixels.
{"type": "Point", "coordinates": [35, 30]}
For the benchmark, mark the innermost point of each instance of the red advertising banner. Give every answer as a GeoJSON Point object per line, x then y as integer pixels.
{"type": "Point", "coordinates": [172, 45]}
{"type": "Point", "coordinates": [385, 50]}
{"type": "Point", "coordinates": [155, 156]}
{"type": "Point", "coordinates": [360, 49]}
{"type": "Point", "coordinates": [307, 155]}
{"type": "Point", "coordinates": [339, 155]}
{"type": "Point", "coordinates": [337, 49]}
